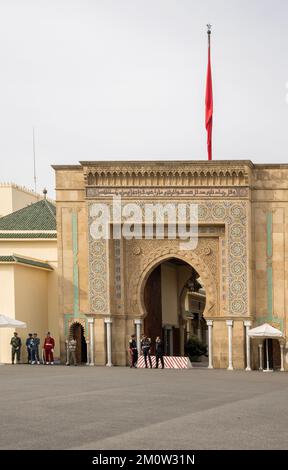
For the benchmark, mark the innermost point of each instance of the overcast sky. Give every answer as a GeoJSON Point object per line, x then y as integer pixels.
{"type": "Point", "coordinates": [125, 79]}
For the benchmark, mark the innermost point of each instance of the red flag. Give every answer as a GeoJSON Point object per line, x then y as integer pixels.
{"type": "Point", "coordinates": [209, 103]}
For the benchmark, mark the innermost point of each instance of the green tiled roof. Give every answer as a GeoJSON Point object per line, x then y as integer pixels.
{"type": "Point", "coordinates": [7, 259]}
{"type": "Point", "coordinates": [27, 235]}
{"type": "Point", "coordinates": [28, 261]}
{"type": "Point", "coordinates": [38, 216]}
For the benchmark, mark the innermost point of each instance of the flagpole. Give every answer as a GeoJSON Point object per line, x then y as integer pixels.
{"type": "Point", "coordinates": [209, 99]}
{"type": "Point", "coordinates": [34, 162]}
{"type": "Point", "coordinates": [209, 33]}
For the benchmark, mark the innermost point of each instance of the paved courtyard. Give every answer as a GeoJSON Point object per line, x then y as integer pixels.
{"type": "Point", "coordinates": [58, 407]}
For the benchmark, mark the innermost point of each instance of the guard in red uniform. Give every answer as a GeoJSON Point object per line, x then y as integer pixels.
{"type": "Point", "coordinates": [48, 346]}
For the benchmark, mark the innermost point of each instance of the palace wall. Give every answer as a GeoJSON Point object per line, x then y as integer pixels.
{"type": "Point", "coordinates": [241, 255]}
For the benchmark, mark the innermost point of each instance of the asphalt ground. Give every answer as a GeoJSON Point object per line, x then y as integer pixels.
{"type": "Point", "coordinates": [59, 407]}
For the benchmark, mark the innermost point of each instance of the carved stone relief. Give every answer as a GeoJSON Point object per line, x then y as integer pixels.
{"type": "Point", "coordinates": [142, 256]}
{"type": "Point", "coordinates": [232, 214]}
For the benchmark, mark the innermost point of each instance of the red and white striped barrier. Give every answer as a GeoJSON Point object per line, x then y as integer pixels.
{"type": "Point", "coordinates": [170, 362]}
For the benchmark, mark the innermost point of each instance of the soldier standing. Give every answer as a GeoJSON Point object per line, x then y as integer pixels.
{"type": "Point", "coordinates": [145, 348]}
{"type": "Point", "coordinates": [28, 347]}
{"type": "Point", "coordinates": [48, 346]}
{"type": "Point", "coordinates": [72, 344]}
{"type": "Point", "coordinates": [133, 351]}
{"type": "Point", "coordinates": [35, 349]}
{"type": "Point", "coordinates": [16, 347]}
{"type": "Point", "coordinates": [159, 351]}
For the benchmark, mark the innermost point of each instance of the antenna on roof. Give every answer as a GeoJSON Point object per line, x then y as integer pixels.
{"type": "Point", "coordinates": [34, 161]}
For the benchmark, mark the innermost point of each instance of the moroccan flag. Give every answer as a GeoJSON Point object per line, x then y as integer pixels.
{"type": "Point", "coordinates": [209, 104]}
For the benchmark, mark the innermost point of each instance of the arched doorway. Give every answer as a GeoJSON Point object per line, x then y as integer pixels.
{"type": "Point", "coordinates": [77, 331]}
{"type": "Point", "coordinates": [174, 300]}
{"type": "Point", "coordinates": [274, 353]}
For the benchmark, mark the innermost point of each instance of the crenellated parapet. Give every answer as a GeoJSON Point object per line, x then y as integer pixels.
{"type": "Point", "coordinates": [160, 174]}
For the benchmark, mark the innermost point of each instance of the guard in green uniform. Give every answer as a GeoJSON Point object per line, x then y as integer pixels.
{"type": "Point", "coordinates": [16, 347]}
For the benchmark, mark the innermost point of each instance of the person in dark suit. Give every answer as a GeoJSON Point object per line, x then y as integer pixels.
{"type": "Point", "coordinates": [35, 349]}
{"type": "Point", "coordinates": [145, 348]}
{"type": "Point", "coordinates": [159, 351]}
{"type": "Point", "coordinates": [133, 351]}
{"type": "Point", "coordinates": [28, 343]}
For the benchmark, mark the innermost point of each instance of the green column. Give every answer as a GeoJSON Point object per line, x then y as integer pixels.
{"type": "Point", "coordinates": [269, 267]}
{"type": "Point", "coordinates": [75, 264]}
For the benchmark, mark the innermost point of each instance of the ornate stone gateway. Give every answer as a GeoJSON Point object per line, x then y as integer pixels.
{"type": "Point", "coordinates": [103, 280]}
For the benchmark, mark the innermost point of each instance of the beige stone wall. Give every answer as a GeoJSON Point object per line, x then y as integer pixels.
{"type": "Point", "coordinates": [270, 242]}
{"type": "Point", "coordinates": [119, 345]}
{"type": "Point", "coordinates": [6, 204]}
{"type": "Point", "coordinates": [83, 259]}
{"type": "Point", "coordinates": [22, 198]}
{"type": "Point", "coordinates": [45, 250]}
{"type": "Point", "coordinates": [260, 277]}
{"type": "Point", "coordinates": [65, 258]}
{"type": "Point", "coordinates": [70, 184]}
{"type": "Point", "coordinates": [65, 216]}
{"type": "Point", "coordinates": [53, 318]}
{"type": "Point", "coordinates": [238, 345]}
{"type": "Point", "coordinates": [72, 244]}
{"type": "Point", "coordinates": [7, 307]}
{"type": "Point", "coordinates": [31, 294]}
{"type": "Point", "coordinates": [25, 296]}
{"type": "Point", "coordinates": [13, 198]}
{"type": "Point", "coordinates": [220, 345]}
{"type": "Point", "coordinates": [31, 300]}
{"type": "Point", "coordinates": [100, 349]}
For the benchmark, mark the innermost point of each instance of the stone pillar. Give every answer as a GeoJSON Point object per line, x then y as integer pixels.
{"type": "Point", "coordinates": [91, 340]}
{"type": "Point", "coordinates": [67, 352]}
{"type": "Point", "coordinates": [260, 346]}
{"type": "Point", "coordinates": [247, 325]}
{"type": "Point", "coordinates": [108, 322]}
{"type": "Point", "coordinates": [282, 356]}
{"type": "Point", "coordinates": [210, 342]}
{"type": "Point", "coordinates": [229, 323]}
{"type": "Point", "coordinates": [267, 356]}
{"type": "Point", "coordinates": [187, 329]}
{"type": "Point", "coordinates": [88, 352]}
{"type": "Point", "coordinates": [199, 329]}
{"type": "Point", "coordinates": [171, 341]}
{"type": "Point", "coordinates": [138, 323]}
{"type": "Point", "coordinates": [168, 333]}
{"type": "Point", "coordinates": [182, 329]}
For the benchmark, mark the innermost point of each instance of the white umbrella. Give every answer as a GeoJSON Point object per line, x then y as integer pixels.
{"type": "Point", "coordinates": [7, 322]}
{"type": "Point", "coordinates": [265, 331]}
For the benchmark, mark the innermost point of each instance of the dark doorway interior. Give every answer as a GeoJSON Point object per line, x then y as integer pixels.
{"type": "Point", "coordinates": [174, 303]}
{"type": "Point", "coordinates": [77, 331]}
{"type": "Point", "coordinates": [274, 354]}
{"type": "Point", "coordinates": [152, 299]}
